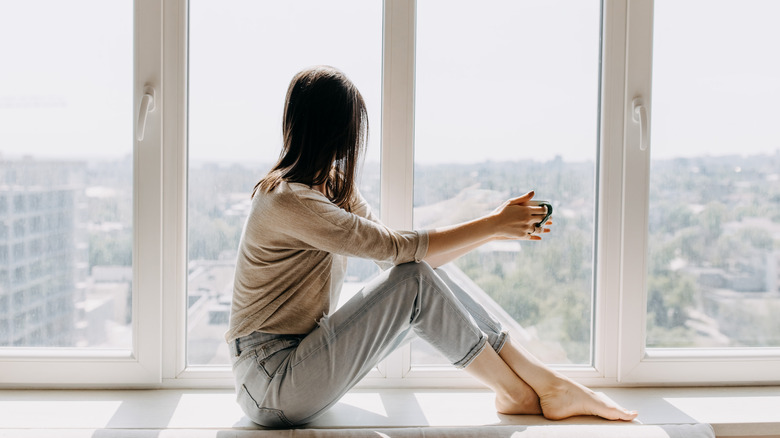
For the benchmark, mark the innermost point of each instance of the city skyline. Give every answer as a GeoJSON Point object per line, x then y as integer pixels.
{"type": "Point", "coordinates": [746, 272]}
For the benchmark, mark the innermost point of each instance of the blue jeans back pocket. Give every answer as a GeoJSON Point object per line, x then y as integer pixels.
{"type": "Point", "coordinates": [272, 356]}
{"type": "Point", "coordinates": [265, 417]}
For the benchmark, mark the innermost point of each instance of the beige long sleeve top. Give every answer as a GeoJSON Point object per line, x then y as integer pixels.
{"type": "Point", "coordinates": [292, 258]}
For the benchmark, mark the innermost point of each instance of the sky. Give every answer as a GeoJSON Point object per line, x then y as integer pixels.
{"type": "Point", "coordinates": [510, 80]}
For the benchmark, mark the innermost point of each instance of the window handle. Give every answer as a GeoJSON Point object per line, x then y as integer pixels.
{"type": "Point", "coordinates": [147, 106]}
{"type": "Point", "coordinates": [639, 114]}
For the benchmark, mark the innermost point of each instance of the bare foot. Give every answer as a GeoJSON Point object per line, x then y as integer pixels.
{"type": "Point", "coordinates": [570, 399]}
{"type": "Point", "coordinates": [527, 403]}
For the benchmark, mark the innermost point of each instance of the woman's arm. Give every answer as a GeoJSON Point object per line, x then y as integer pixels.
{"type": "Point", "coordinates": [511, 220]}
{"type": "Point", "coordinates": [442, 258]}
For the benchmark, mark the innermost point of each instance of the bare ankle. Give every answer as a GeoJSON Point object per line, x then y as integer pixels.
{"type": "Point", "coordinates": [517, 404]}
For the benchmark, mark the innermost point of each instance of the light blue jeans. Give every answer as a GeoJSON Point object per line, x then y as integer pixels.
{"type": "Point", "coordinates": [289, 380]}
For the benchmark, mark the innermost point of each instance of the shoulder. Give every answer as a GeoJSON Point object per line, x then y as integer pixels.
{"type": "Point", "coordinates": [286, 193]}
{"type": "Point", "coordinates": [295, 201]}
{"type": "Point", "coordinates": [303, 196]}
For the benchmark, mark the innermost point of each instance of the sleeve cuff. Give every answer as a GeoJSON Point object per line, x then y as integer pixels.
{"type": "Point", "coordinates": [422, 246]}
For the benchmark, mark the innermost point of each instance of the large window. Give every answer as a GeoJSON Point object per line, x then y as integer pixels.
{"type": "Point", "coordinates": [700, 193]}
{"type": "Point", "coordinates": [70, 238]}
{"type": "Point", "coordinates": [714, 181]}
{"type": "Point", "coordinates": [506, 101]}
{"type": "Point", "coordinates": [241, 59]}
{"type": "Point", "coordinates": [132, 133]}
{"type": "Point", "coordinates": [66, 174]}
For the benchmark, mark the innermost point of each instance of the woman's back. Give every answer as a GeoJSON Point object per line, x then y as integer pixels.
{"type": "Point", "coordinates": [291, 259]}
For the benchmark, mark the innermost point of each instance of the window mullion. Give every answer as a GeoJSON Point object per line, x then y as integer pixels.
{"type": "Point", "coordinates": [636, 173]}
{"type": "Point", "coordinates": [607, 297]}
{"type": "Point", "coordinates": [398, 114]}
{"type": "Point", "coordinates": [397, 164]}
{"type": "Point", "coordinates": [147, 254]}
{"type": "Point", "coordinates": [174, 336]}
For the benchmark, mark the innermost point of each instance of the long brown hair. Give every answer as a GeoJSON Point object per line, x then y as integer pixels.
{"type": "Point", "coordinates": [325, 129]}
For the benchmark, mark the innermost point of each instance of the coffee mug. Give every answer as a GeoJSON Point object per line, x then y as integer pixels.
{"type": "Point", "coordinates": [545, 204]}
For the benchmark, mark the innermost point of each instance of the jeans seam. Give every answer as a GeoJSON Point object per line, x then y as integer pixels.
{"type": "Point", "coordinates": [449, 304]}
{"type": "Point", "coordinates": [471, 353]}
{"type": "Point", "coordinates": [278, 412]}
{"type": "Point", "coordinates": [245, 355]}
{"type": "Point", "coordinates": [488, 322]}
{"type": "Point", "coordinates": [487, 319]}
{"type": "Point", "coordinates": [477, 348]}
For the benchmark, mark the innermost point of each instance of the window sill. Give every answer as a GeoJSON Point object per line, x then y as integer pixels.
{"type": "Point", "coordinates": [733, 412]}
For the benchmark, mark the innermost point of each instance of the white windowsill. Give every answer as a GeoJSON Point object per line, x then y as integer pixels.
{"type": "Point", "coordinates": [733, 412]}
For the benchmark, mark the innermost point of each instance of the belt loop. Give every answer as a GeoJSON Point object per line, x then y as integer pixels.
{"type": "Point", "coordinates": [238, 350]}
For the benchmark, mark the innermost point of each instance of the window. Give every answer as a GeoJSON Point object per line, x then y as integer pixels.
{"type": "Point", "coordinates": [235, 129]}
{"type": "Point", "coordinates": [18, 253]}
{"type": "Point", "coordinates": [488, 111]}
{"type": "Point", "coordinates": [126, 177]}
{"type": "Point", "coordinates": [19, 203]}
{"type": "Point", "coordinates": [46, 123]}
{"type": "Point", "coordinates": [67, 92]}
{"type": "Point", "coordinates": [702, 244]}
{"type": "Point", "coordinates": [714, 191]}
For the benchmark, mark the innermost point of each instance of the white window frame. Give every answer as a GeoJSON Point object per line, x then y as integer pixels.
{"type": "Point", "coordinates": [636, 363]}
{"type": "Point", "coordinates": [160, 224]}
{"type": "Point", "coordinates": [140, 366]}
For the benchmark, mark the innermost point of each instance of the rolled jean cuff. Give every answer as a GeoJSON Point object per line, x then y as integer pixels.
{"type": "Point", "coordinates": [502, 339]}
{"type": "Point", "coordinates": [466, 361]}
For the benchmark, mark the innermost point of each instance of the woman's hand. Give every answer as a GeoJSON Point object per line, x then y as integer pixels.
{"type": "Point", "coordinates": [516, 219]}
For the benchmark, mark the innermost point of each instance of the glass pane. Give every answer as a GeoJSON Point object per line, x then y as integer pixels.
{"type": "Point", "coordinates": [242, 56]}
{"type": "Point", "coordinates": [714, 226]}
{"type": "Point", "coordinates": [507, 101]}
{"type": "Point", "coordinates": [66, 173]}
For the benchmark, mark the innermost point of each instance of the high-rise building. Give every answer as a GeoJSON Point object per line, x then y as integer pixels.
{"type": "Point", "coordinates": [43, 251]}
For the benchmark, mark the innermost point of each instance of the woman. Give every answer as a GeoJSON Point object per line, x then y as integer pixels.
{"type": "Point", "coordinates": [293, 355]}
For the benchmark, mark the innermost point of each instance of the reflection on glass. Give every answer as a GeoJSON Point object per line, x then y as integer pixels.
{"type": "Point", "coordinates": [714, 226]}
{"type": "Point", "coordinates": [506, 102]}
{"type": "Point", "coordinates": [66, 147]}
{"type": "Point", "coordinates": [242, 55]}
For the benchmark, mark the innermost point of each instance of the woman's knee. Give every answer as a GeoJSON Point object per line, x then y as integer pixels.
{"type": "Point", "coordinates": [414, 269]}
{"type": "Point", "coordinates": [408, 280]}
